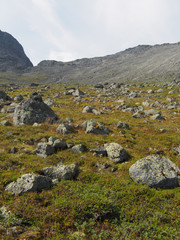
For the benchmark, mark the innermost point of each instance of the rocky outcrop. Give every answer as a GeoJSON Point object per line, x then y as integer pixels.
{"type": "Point", "coordinates": [155, 171]}
{"type": "Point", "coordinates": [12, 56]}
{"type": "Point", "coordinates": [33, 110]}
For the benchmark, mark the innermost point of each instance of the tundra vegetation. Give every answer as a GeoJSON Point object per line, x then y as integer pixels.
{"type": "Point", "coordinates": [82, 159]}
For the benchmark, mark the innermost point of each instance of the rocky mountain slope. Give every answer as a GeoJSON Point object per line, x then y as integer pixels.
{"type": "Point", "coordinates": [12, 56]}
{"type": "Point", "coordinates": [138, 63]}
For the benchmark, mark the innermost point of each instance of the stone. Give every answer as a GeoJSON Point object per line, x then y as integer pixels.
{"type": "Point", "coordinates": [151, 112]}
{"type": "Point", "coordinates": [100, 151]}
{"type": "Point", "coordinates": [80, 148]}
{"type": "Point", "coordinates": [93, 126]}
{"type": "Point", "coordinates": [87, 109]}
{"type": "Point", "coordinates": [177, 149]}
{"type": "Point", "coordinates": [155, 171]}
{"type": "Point", "coordinates": [116, 152]}
{"type": "Point", "coordinates": [45, 149]}
{"type": "Point", "coordinates": [5, 123]}
{"type": "Point", "coordinates": [18, 98]}
{"type": "Point", "coordinates": [138, 115]}
{"type": "Point", "coordinates": [65, 128]}
{"type": "Point", "coordinates": [123, 125]}
{"type": "Point", "coordinates": [29, 182]}
{"type": "Point", "coordinates": [33, 110]}
{"type": "Point", "coordinates": [78, 93]}
{"type": "Point", "coordinates": [61, 172]}
{"type": "Point", "coordinates": [157, 117]}
{"type": "Point", "coordinates": [13, 150]}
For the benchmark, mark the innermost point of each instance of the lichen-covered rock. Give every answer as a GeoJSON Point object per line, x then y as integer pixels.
{"type": "Point", "coordinates": [45, 149]}
{"type": "Point", "coordinates": [155, 171]}
{"type": "Point", "coordinates": [65, 128]}
{"type": "Point", "coordinates": [93, 126]}
{"type": "Point", "coordinates": [33, 110]}
{"type": "Point", "coordinates": [29, 183]}
{"type": "Point", "coordinates": [123, 125]}
{"type": "Point", "coordinates": [99, 151]}
{"type": "Point", "coordinates": [116, 152]}
{"type": "Point", "coordinates": [78, 93]}
{"type": "Point", "coordinates": [79, 148]}
{"type": "Point", "coordinates": [61, 172]}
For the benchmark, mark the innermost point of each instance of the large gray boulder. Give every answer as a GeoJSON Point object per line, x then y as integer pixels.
{"type": "Point", "coordinates": [155, 171]}
{"type": "Point", "coordinates": [61, 172]}
{"type": "Point", "coordinates": [33, 110]}
{"type": "Point", "coordinates": [116, 152]}
{"type": "Point", "coordinates": [29, 183]}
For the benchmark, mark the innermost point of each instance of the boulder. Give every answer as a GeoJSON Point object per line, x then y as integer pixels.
{"type": "Point", "coordinates": [78, 93]}
{"type": "Point", "coordinates": [116, 152]}
{"type": "Point", "coordinates": [93, 126]}
{"type": "Point", "coordinates": [58, 144]}
{"type": "Point", "coordinates": [123, 125]}
{"type": "Point", "coordinates": [155, 171]}
{"type": "Point", "coordinates": [45, 149]}
{"type": "Point", "coordinates": [80, 148]}
{"type": "Point", "coordinates": [61, 172]}
{"type": "Point", "coordinates": [151, 112]}
{"type": "Point", "coordinates": [33, 110]}
{"type": "Point", "coordinates": [87, 109]}
{"type": "Point", "coordinates": [157, 117]}
{"type": "Point", "coordinates": [29, 183]}
{"type": "Point", "coordinates": [5, 123]}
{"type": "Point", "coordinates": [65, 128]}
{"type": "Point", "coordinates": [99, 151]}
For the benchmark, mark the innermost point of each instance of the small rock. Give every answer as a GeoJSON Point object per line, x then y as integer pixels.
{"type": "Point", "coordinates": [116, 152]}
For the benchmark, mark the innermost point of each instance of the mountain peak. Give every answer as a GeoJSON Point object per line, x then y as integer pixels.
{"type": "Point", "coordinates": [12, 55]}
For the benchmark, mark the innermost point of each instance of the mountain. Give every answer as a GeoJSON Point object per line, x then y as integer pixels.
{"type": "Point", "coordinates": [12, 56]}
{"type": "Point", "coordinates": [138, 63]}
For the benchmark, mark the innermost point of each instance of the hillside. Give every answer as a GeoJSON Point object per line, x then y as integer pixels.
{"type": "Point", "coordinates": [138, 63]}
{"type": "Point", "coordinates": [90, 163]}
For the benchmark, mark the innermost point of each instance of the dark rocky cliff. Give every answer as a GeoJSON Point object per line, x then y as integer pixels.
{"type": "Point", "coordinates": [12, 55]}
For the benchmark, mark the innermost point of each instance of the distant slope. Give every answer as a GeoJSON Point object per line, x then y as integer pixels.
{"type": "Point", "coordinates": [141, 62]}
{"type": "Point", "coordinates": [12, 56]}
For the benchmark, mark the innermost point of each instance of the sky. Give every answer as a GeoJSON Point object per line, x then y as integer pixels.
{"type": "Point", "coordinates": [66, 30]}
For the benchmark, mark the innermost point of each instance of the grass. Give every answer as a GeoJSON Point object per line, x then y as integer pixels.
{"type": "Point", "coordinates": [99, 204]}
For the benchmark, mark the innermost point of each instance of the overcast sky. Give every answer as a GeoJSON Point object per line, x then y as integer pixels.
{"type": "Point", "coordinates": [66, 30]}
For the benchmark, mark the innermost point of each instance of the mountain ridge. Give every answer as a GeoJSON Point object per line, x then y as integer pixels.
{"type": "Point", "coordinates": [143, 61]}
